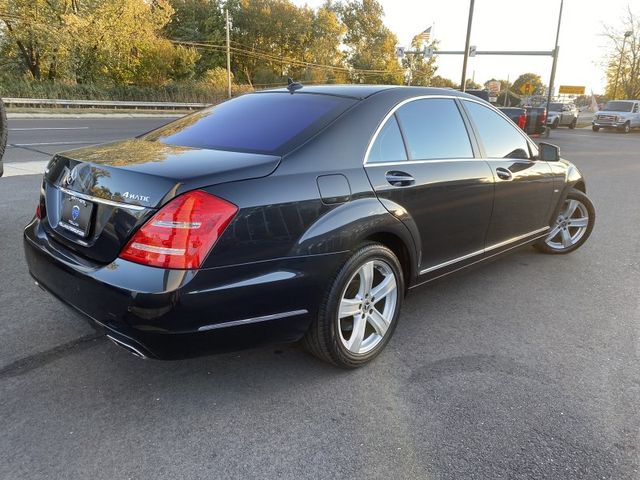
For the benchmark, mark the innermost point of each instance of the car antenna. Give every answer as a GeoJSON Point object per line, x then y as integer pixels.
{"type": "Point", "coordinates": [293, 86]}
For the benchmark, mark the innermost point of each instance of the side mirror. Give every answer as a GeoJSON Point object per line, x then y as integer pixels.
{"type": "Point", "coordinates": [548, 152]}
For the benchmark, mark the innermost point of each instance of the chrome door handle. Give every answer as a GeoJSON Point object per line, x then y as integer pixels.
{"type": "Point", "coordinates": [399, 179]}
{"type": "Point", "coordinates": [504, 174]}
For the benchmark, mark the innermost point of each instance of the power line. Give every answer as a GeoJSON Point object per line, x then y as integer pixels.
{"type": "Point", "coordinates": [284, 60]}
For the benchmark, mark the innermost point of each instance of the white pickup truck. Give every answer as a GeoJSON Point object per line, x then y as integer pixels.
{"type": "Point", "coordinates": [621, 114]}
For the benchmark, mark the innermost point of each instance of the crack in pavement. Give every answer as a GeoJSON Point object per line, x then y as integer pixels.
{"type": "Point", "coordinates": [37, 360]}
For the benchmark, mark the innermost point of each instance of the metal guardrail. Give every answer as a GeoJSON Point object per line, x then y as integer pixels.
{"type": "Point", "coordinates": [56, 103]}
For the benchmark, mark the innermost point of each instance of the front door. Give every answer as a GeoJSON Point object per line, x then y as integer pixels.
{"type": "Point", "coordinates": [422, 163]}
{"type": "Point", "coordinates": [523, 186]}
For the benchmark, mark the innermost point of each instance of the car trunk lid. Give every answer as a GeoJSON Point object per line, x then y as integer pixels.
{"type": "Point", "coordinates": [96, 197]}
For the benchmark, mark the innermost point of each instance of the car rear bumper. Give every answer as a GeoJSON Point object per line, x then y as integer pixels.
{"type": "Point", "coordinates": [169, 314]}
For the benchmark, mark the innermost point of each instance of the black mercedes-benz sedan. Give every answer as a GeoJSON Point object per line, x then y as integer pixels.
{"type": "Point", "coordinates": [289, 215]}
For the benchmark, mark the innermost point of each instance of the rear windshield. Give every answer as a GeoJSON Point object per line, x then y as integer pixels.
{"type": "Point", "coordinates": [555, 107]}
{"type": "Point", "coordinates": [272, 123]}
{"type": "Point", "coordinates": [618, 106]}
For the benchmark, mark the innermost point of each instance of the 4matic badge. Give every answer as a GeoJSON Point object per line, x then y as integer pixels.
{"type": "Point", "coordinates": [136, 197]}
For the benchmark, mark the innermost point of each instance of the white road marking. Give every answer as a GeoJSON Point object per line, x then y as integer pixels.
{"type": "Point", "coordinates": [46, 128]}
{"type": "Point", "coordinates": [44, 144]}
{"type": "Point", "coordinates": [15, 169]}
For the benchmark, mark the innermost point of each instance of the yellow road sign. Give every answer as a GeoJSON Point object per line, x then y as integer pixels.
{"type": "Point", "coordinates": [571, 90]}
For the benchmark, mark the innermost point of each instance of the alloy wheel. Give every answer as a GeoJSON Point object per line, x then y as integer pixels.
{"type": "Point", "coordinates": [570, 225]}
{"type": "Point", "coordinates": [367, 306]}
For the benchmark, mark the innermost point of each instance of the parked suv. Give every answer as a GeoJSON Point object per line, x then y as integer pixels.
{"type": "Point", "coordinates": [560, 114]}
{"type": "Point", "coordinates": [621, 114]}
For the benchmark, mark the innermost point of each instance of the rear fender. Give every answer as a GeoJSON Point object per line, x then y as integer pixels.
{"type": "Point", "coordinates": [345, 227]}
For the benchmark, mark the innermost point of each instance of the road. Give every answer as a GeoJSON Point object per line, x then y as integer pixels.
{"type": "Point", "coordinates": [524, 368]}
{"type": "Point", "coordinates": [31, 142]}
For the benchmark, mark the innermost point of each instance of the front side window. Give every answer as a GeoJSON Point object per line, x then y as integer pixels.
{"type": "Point", "coordinates": [500, 138]}
{"type": "Point", "coordinates": [434, 129]}
{"type": "Point", "coordinates": [389, 146]}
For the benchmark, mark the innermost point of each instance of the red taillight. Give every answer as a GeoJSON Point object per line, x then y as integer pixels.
{"type": "Point", "coordinates": [181, 234]}
{"type": "Point", "coordinates": [544, 117]}
{"type": "Point", "coordinates": [522, 121]}
{"type": "Point", "coordinates": [38, 212]}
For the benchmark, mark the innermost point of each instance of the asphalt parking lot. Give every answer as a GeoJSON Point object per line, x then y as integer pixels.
{"type": "Point", "coordinates": [528, 367]}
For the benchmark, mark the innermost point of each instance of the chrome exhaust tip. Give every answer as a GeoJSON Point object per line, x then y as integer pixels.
{"type": "Point", "coordinates": [129, 348]}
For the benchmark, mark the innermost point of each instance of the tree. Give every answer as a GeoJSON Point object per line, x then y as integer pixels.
{"type": "Point", "coordinates": [199, 21]}
{"type": "Point", "coordinates": [93, 40]}
{"type": "Point", "coordinates": [327, 33]}
{"type": "Point", "coordinates": [420, 70]}
{"type": "Point", "coordinates": [629, 69]}
{"type": "Point", "coordinates": [371, 45]}
{"type": "Point", "coordinates": [532, 78]}
{"type": "Point", "coordinates": [441, 82]}
{"type": "Point", "coordinates": [469, 84]}
{"type": "Point", "coordinates": [269, 34]}
{"type": "Point", "coordinates": [121, 41]}
{"type": "Point", "coordinates": [32, 31]}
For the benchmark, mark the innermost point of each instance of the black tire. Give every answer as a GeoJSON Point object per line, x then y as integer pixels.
{"type": "Point", "coordinates": [573, 124]}
{"type": "Point", "coordinates": [595, 129]}
{"type": "Point", "coordinates": [323, 339]}
{"type": "Point", "coordinates": [542, 244]}
{"type": "Point", "coordinates": [3, 128]}
{"type": "Point", "coordinates": [626, 128]}
{"type": "Point", "coordinates": [555, 124]}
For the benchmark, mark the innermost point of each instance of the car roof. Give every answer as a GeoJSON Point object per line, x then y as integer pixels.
{"type": "Point", "coordinates": [361, 92]}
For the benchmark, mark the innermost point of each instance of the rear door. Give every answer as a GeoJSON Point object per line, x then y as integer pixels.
{"type": "Point", "coordinates": [523, 186]}
{"type": "Point", "coordinates": [423, 168]}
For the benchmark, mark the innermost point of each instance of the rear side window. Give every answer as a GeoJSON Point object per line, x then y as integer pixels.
{"type": "Point", "coordinates": [265, 123]}
{"type": "Point", "coordinates": [434, 129]}
{"type": "Point", "coordinates": [389, 146]}
{"type": "Point", "coordinates": [500, 138]}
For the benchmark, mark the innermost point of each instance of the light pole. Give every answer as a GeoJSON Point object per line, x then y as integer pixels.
{"type": "Point", "coordinates": [466, 47]}
{"type": "Point", "coordinates": [624, 42]}
{"type": "Point", "coordinates": [555, 58]}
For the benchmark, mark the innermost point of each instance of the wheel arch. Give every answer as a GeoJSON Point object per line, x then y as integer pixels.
{"type": "Point", "coordinates": [348, 226]}
{"type": "Point", "coordinates": [400, 249]}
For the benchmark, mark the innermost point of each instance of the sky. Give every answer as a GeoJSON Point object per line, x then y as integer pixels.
{"type": "Point", "coordinates": [513, 25]}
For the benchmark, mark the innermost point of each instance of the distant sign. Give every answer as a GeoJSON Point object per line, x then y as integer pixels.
{"type": "Point", "coordinates": [527, 88]}
{"type": "Point", "coordinates": [571, 90]}
{"type": "Point", "coordinates": [400, 52]}
{"type": "Point", "coordinates": [493, 99]}
{"type": "Point", "coordinates": [494, 87]}
{"type": "Point", "coordinates": [472, 50]}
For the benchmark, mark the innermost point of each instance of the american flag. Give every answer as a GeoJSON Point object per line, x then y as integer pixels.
{"type": "Point", "coordinates": [424, 36]}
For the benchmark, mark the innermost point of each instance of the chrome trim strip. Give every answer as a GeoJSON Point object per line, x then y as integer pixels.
{"type": "Point", "coordinates": [447, 263]}
{"type": "Point", "coordinates": [519, 237]}
{"type": "Point", "coordinates": [477, 261]}
{"type": "Point", "coordinates": [128, 347]}
{"type": "Point", "coordinates": [485, 250]}
{"type": "Point", "coordinates": [248, 321]}
{"type": "Point", "coordinates": [91, 198]}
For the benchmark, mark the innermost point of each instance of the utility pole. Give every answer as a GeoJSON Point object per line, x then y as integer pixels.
{"type": "Point", "coordinates": [624, 42]}
{"type": "Point", "coordinates": [506, 95]}
{"type": "Point", "coordinates": [226, 14]}
{"type": "Point", "coordinates": [555, 58]}
{"type": "Point", "coordinates": [466, 46]}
